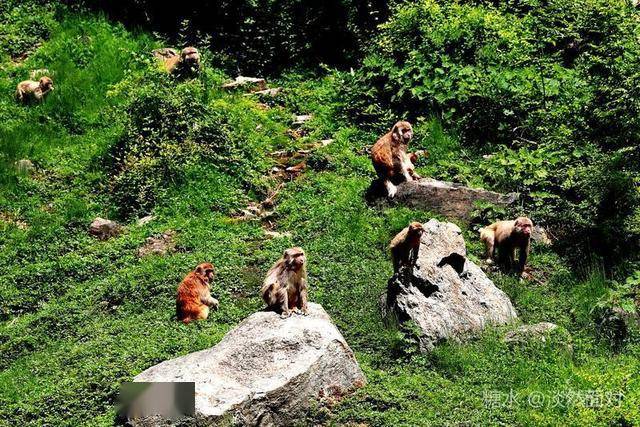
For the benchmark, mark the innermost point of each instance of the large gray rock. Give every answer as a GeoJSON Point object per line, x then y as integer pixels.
{"type": "Point", "coordinates": [454, 201]}
{"type": "Point", "coordinates": [266, 370]}
{"type": "Point", "coordinates": [445, 295]}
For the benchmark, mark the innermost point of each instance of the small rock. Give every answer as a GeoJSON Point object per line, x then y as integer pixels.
{"type": "Point", "coordinates": [145, 220]}
{"type": "Point", "coordinates": [266, 92]}
{"type": "Point", "coordinates": [252, 84]}
{"type": "Point", "coordinates": [25, 166]}
{"type": "Point", "coordinates": [36, 74]}
{"type": "Point", "coordinates": [160, 245]}
{"type": "Point", "coordinates": [301, 119]}
{"type": "Point", "coordinates": [326, 142]}
{"type": "Point", "coordinates": [541, 236]}
{"type": "Point", "coordinates": [164, 53]}
{"type": "Point", "coordinates": [525, 333]}
{"type": "Point", "coordinates": [266, 371]}
{"type": "Point", "coordinates": [276, 235]}
{"type": "Point", "coordinates": [104, 229]}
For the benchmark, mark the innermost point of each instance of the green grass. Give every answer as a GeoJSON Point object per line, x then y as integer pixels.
{"type": "Point", "coordinates": [78, 316]}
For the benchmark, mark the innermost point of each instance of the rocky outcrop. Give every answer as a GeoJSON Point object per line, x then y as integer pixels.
{"type": "Point", "coordinates": [267, 370]}
{"type": "Point", "coordinates": [104, 229]}
{"type": "Point", "coordinates": [454, 201]}
{"type": "Point", "coordinates": [445, 295]}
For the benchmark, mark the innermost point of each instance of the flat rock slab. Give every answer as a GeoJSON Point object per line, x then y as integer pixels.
{"type": "Point", "coordinates": [267, 370]}
{"type": "Point", "coordinates": [446, 295]}
{"type": "Point", "coordinates": [454, 201]}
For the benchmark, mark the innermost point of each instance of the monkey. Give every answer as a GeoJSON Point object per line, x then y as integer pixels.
{"type": "Point", "coordinates": [285, 287]}
{"type": "Point", "coordinates": [30, 90]}
{"type": "Point", "coordinates": [505, 237]}
{"type": "Point", "coordinates": [390, 159]}
{"type": "Point", "coordinates": [194, 298]}
{"type": "Point", "coordinates": [405, 246]}
{"type": "Point", "coordinates": [183, 65]}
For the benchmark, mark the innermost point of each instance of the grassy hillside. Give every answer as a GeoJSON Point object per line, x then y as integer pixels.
{"type": "Point", "coordinates": [120, 139]}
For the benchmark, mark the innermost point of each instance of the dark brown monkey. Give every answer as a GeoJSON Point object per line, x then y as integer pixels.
{"type": "Point", "coordinates": [194, 298]}
{"type": "Point", "coordinates": [390, 159]}
{"type": "Point", "coordinates": [405, 246]}
{"type": "Point", "coordinates": [187, 64]}
{"type": "Point", "coordinates": [285, 287]}
{"type": "Point", "coordinates": [505, 237]}
{"type": "Point", "coordinates": [29, 90]}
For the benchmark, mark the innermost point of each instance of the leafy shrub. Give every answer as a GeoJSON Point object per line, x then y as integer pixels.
{"type": "Point", "coordinates": [174, 127]}
{"type": "Point", "coordinates": [548, 88]}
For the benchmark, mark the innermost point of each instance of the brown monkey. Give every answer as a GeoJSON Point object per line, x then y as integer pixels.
{"type": "Point", "coordinates": [405, 246]}
{"type": "Point", "coordinates": [505, 237]}
{"type": "Point", "coordinates": [285, 287]}
{"type": "Point", "coordinates": [390, 159]}
{"type": "Point", "coordinates": [183, 65]}
{"type": "Point", "coordinates": [194, 298]}
{"type": "Point", "coordinates": [29, 90]}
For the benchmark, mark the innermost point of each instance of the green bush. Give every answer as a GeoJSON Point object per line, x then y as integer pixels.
{"type": "Point", "coordinates": [173, 127]}
{"type": "Point", "coordinates": [547, 88]}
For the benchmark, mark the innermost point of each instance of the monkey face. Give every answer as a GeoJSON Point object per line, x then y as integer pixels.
{"type": "Point", "coordinates": [46, 84]}
{"type": "Point", "coordinates": [190, 56]}
{"type": "Point", "coordinates": [415, 228]}
{"type": "Point", "coordinates": [206, 270]}
{"type": "Point", "coordinates": [402, 132]}
{"type": "Point", "coordinates": [523, 226]}
{"type": "Point", "coordinates": [295, 258]}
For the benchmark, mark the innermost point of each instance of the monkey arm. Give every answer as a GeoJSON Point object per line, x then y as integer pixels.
{"type": "Point", "coordinates": [207, 299]}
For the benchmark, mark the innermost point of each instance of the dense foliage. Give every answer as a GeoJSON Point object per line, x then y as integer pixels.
{"type": "Point", "coordinates": [262, 35]}
{"type": "Point", "coordinates": [548, 89]}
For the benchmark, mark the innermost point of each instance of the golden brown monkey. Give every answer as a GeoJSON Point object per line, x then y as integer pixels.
{"type": "Point", "coordinates": [194, 298]}
{"type": "Point", "coordinates": [505, 237]}
{"type": "Point", "coordinates": [390, 159]}
{"type": "Point", "coordinates": [187, 64]}
{"type": "Point", "coordinates": [30, 90]}
{"type": "Point", "coordinates": [285, 287]}
{"type": "Point", "coordinates": [405, 246]}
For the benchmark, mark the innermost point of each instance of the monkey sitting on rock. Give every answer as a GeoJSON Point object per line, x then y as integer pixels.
{"type": "Point", "coordinates": [33, 91]}
{"type": "Point", "coordinates": [505, 237]}
{"type": "Point", "coordinates": [285, 287]}
{"type": "Point", "coordinates": [390, 158]}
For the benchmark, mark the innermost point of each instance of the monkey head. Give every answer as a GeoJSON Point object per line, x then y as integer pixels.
{"type": "Point", "coordinates": [190, 56]}
{"type": "Point", "coordinates": [206, 270]}
{"type": "Point", "coordinates": [416, 229]}
{"type": "Point", "coordinates": [402, 132]}
{"type": "Point", "coordinates": [46, 84]}
{"type": "Point", "coordinates": [294, 258]}
{"type": "Point", "coordinates": [523, 226]}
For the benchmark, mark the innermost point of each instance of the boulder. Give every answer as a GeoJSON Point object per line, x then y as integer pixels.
{"type": "Point", "coordinates": [104, 229]}
{"type": "Point", "coordinates": [267, 370]}
{"type": "Point", "coordinates": [445, 295]}
{"type": "Point", "coordinates": [252, 84]}
{"type": "Point", "coordinates": [541, 236]}
{"type": "Point", "coordinates": [454, 201]}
